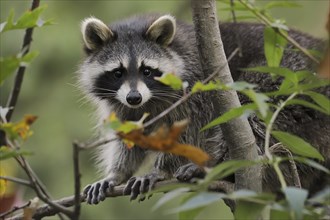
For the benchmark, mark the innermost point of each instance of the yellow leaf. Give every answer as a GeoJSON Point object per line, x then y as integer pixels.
{"type": "Point", "coordinates": [20, 129]}
{"type": "Point", "coordinates": [125, 126]}
{"type": "Point", "coordinates": [3, 183]}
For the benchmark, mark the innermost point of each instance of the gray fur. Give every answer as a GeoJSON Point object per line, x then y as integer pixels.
{"type": "Point", "coordinates": [132, 42]}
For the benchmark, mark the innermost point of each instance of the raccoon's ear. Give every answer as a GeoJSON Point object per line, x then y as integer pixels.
{"type": "Point", "coordinates": [95, 33]}
{"type": "Point", "coordinates": [162, 30]}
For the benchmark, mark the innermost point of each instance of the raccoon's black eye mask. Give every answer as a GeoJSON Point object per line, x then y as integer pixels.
{"type": "Point", "coordinates": [148, 71]}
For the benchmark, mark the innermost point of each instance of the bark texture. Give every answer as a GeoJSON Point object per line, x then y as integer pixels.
{"type": "Point", "coordinates": [237, 133]}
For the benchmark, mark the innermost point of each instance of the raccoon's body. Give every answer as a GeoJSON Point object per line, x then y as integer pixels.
{"type": "Point", "coordinates": [118, 75]}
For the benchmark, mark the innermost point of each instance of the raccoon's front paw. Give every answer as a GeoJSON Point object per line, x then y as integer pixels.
{"type": "Point", "coordinates": [96, 192]}
{"type": "Point", "coordinates": [139, 185]}
{"type": "Point", "coordinates": [189, 171]}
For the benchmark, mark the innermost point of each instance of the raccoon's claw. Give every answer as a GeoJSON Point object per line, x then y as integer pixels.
{"type": "Point", "coordinates": [189, 171]}
{"type": "Point", "coordinates": [139, 185]}
{"type": "Point", "coordinates": [96, 192]}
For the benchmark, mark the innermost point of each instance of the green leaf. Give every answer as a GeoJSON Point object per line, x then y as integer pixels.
{"type": "Point", "coordinates": [227, 168]}
{"type": "Point", "coordinates": [251, 196]}
{"type": "Point", "coordinates": [126, 126]}
{"type": "Point", "coordinates": [281, 4]}
{"type": "Point", "coordinates": [306, 104]}
{"type": "Point", "coordinates": [312, 163]}
{"type": "Point", "coordinates": [321, 100]}
{"type": "Point", "coordinates": [171, 80]}
{"type": "Point", "coordinates": [29, 19]}
{"type": "Point", "coordinates": [274, 45]}
{"type": "Point", "coordinates": [9, 64]}
{"type": "Point", "coordinates": [170, 196]}
{"type": "Point", "coordinates": [29, 57]}
{"type": "Point", "coordinates": [322, 197]}
{"type": "Point", "coordinates": [231, 114]}
{"type": "Point", "coordinates": [236, 8]}
{"type": "Point", "coordinates": [242, 194]}
{"type": "Point", "coordinates": [191, 214]}
{"type": "Point", "coordinates": [297, 145]}
{"type": "Point", "coordinates": [280, 71]}
{"type": "Point", "coordinates": [240, 85]}
{"type": "Point", "coordinates": [248, 210]}
{"type": "Point", "coordinates": [279, 214]}
{"type": "Point", "coordinates": [213, 85]}
{"type": "Point", "coordinates": [6, 153]}
{"type": "Point", "coordinates": [296, 198]}
{"type": "Point", "coordinates": [9, 23]}
{"type": "Point", "coordinates": [200, 200]}
{"type": "Point", "coordinates": [242, 18]}
{"type": "Point", "coordinates": [259, 99]}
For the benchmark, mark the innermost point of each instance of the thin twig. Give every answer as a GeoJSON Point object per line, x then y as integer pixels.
{"type": "Point", "coordinates": [279, 148]}
{"type": "Point", "coordinates": [93, 144]}
{"type": "Point", "coordinates": [77, 201]}
{"type": "Point", "coordinates": [266, 21]}
{"type": "Point", "coordinates": [46, 210]}
{"type": "Point", "coordinates": [21, 70]}
{"type": "Point", "coordinates": [14, 209]}
{"type": "Point", "coordinates": [40, 191]}
{"type": "Point", "coordinates": [267, 140]}
{"type": "Point", "coordinates": [16, 180]}
{"type": "Point", "coordinates": [189, 94]}
{"type": "Point", "coordinates": [35, 182]}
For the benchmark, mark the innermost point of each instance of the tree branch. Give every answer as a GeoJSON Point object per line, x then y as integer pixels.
{"type": "Point", "coordinates": [16, 180]}
{"type": "Point", "coordinates": [14, 209]}
{"type": "Point", "coordinates": [77, 201]}
{"type": "Point", "coordinates": [92, 144]}
{"type": "Point", "coordinates": [46, 210]}
{"type": "Point", "coordinates": [237, 133]}
{"type": "Point", "coordinates": [39, 189]}
{"type": "Point", "coordinates": [21, 70]}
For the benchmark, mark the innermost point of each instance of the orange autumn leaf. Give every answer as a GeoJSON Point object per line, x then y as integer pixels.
{"type": "Point", "coordinates": [166, 140]}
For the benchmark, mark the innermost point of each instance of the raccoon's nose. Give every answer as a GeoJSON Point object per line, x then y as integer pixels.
{"type": "Point", "coordinates": [134, 97]}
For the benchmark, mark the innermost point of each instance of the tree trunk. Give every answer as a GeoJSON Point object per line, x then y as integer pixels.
{"type": "Point", "coordinates": [237, 133]}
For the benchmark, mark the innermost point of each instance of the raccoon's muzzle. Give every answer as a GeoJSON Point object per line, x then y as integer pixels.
{"type": "Point", "coordinates": [134, 97]}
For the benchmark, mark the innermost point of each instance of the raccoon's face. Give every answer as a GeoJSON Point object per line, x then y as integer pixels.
{"type": "Point", "coordinates": [123, 61]}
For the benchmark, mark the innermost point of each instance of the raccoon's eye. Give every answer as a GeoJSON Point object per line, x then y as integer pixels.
{"type": "Point", "coordinates": [147, 71]}
{"type": "Point", "coordinates": [118, 74]}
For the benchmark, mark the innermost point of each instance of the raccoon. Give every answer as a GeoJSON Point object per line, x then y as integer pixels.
{"type": "Point", "coordinates": [118, 75]}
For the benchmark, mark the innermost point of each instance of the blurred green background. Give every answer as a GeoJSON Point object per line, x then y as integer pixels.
{"type": "Point", "coordinates": [49, 91]}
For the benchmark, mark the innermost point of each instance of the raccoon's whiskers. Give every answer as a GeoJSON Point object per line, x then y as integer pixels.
{"type": "Point", "coordinates": [83, 101]}
{"type": "Point", "coordinates": [104, 89]}
{"type": "Point", "coordinates": [164, 94]}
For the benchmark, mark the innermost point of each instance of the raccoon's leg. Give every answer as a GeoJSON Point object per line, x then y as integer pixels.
{"type": "Point", "coordinates": [139, 185]}
{"type": "Point", "coordinates": [189, 171]}
{"type": "Point", "coordinates": [119, 164]}
{"type": "Point", "coordinates": [164, 168]}
{"type": "Point", "coordinates": [212, 142]}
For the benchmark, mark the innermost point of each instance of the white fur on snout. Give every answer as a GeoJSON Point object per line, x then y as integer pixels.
{"type": "Point", "coordinates": [144, 91]}
{"type": "Point", "coordinates": [125, 89]}
{"type": "Point", "coordinates": [123, 92]}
